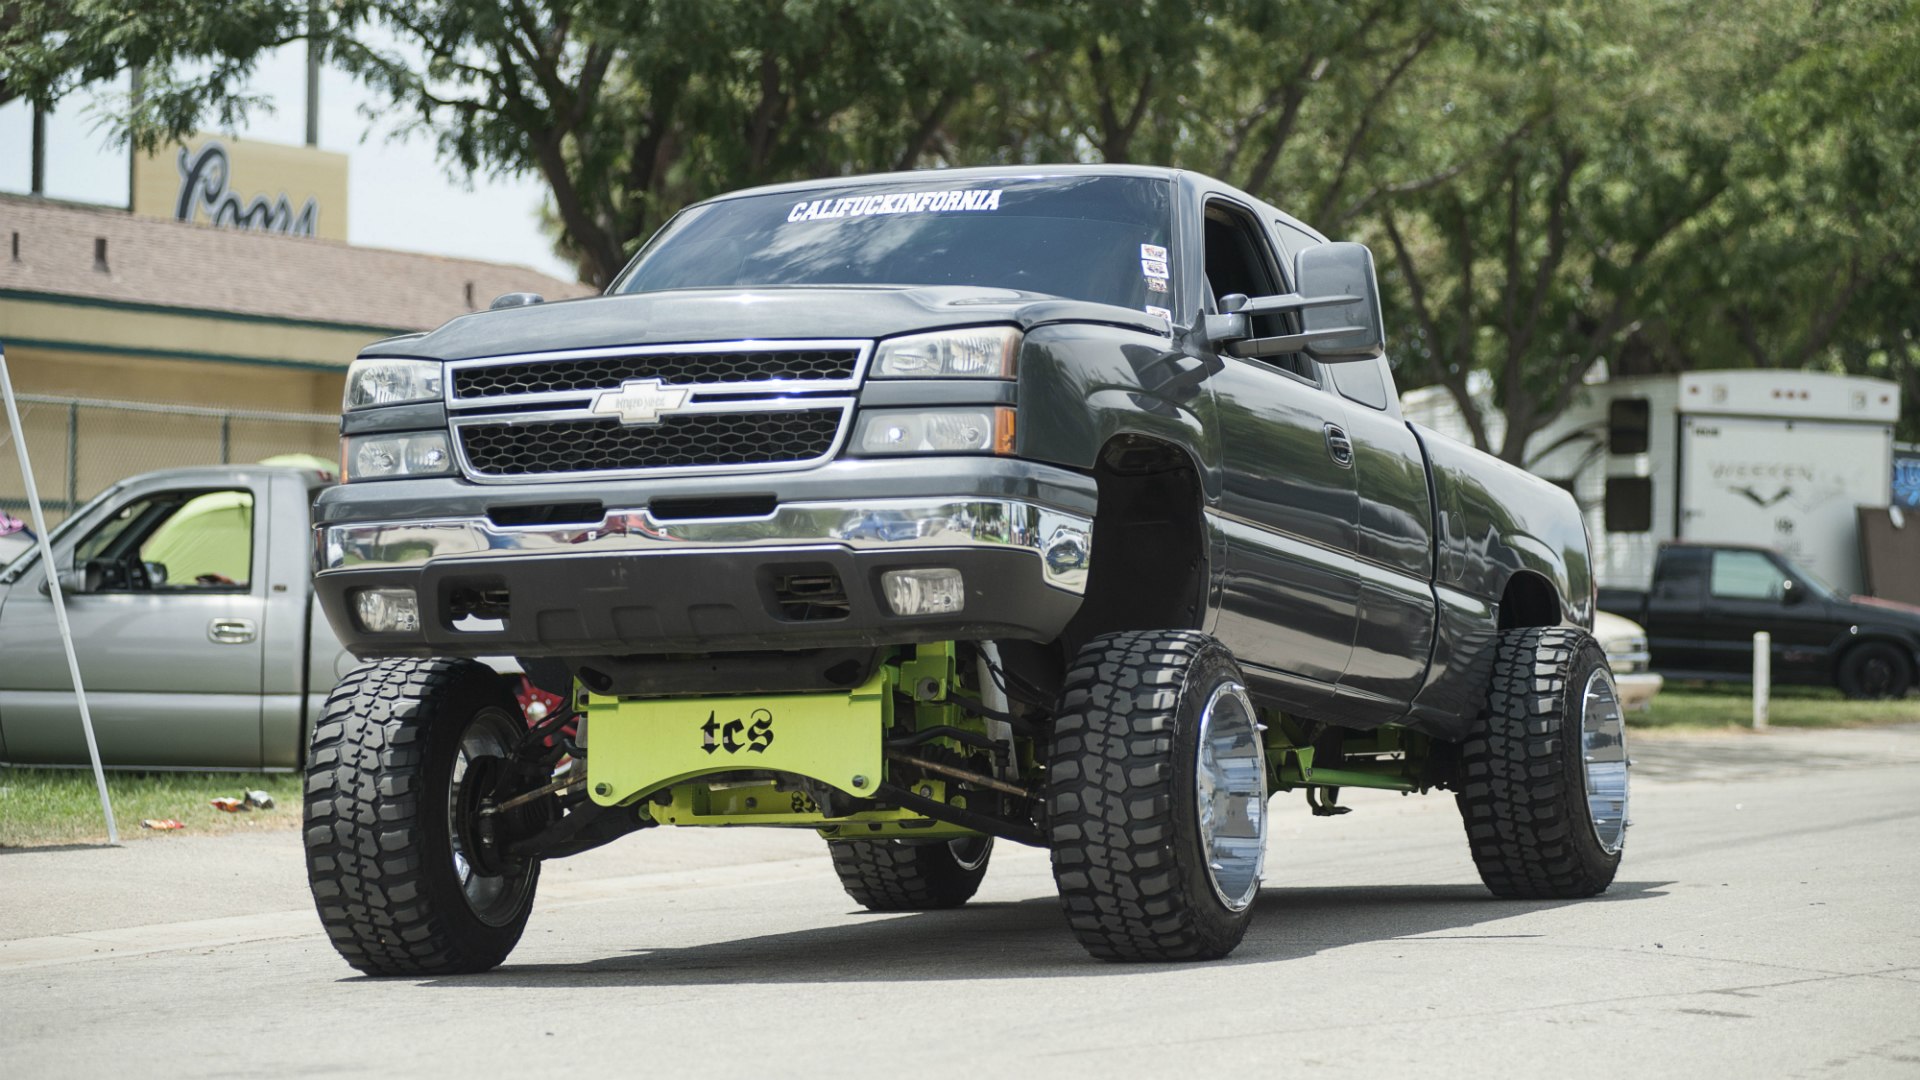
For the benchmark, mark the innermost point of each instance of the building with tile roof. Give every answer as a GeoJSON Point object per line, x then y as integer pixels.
{"type": "Point", "coordinates": [140, 342]}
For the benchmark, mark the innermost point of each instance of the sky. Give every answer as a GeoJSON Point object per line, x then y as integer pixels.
{"type": "Point", "coordinates": [398, 195]}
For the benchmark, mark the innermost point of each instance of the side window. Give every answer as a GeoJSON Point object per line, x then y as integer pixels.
{"type": "Point", "coordinates": [1629, 422]}
{"type": "Point", "coordinates": [1744, 575]}
{"type": "Point", "coordinates": [1683, 573]}
{"type": "Point", "coordinates": [175, 541]}
{"type": "Point", "coordinates": [1239, 260]}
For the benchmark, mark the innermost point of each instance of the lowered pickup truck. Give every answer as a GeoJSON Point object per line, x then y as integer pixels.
{"type": "Point", "coordinates": [1064, 506]}
{"type": "Point", "coordinates": [1708, 600]}
{"type": "Point", "coordinates": [189, 595]}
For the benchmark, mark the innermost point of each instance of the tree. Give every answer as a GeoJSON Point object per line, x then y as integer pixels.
{"type": "Point", "coordinates": [1548, 186]}
{"type": "Point", "coordinates": [627, 110]}
{"type": "Point", "coordinates": [1710, 186]}
{"type": "Point", "coordinates": [50, 48]}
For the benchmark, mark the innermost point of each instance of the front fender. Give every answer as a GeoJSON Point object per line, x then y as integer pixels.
{"type": "Point", "coordinates": [1082, 385]}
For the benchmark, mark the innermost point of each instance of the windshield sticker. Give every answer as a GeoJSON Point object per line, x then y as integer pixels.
{"type": "Point", "coordinates": [1160, 311]}
{"type": "Point", "coordinates": [913, 202]}
{"type": "Point", "coordinates": [1153, 269]}
{"type": "Point", "coordinates": [1156, 284]}
{"type": "Point", "coordinates": [1153, 252]}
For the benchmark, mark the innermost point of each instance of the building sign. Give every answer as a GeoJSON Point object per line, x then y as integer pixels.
{"type": "Point", "coordinates": [245, 184]}
{"type": "Point", "coordinates": [1906, 477]}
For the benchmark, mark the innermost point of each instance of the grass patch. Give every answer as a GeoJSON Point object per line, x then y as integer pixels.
{"type": "Point", "coordinates": [1726, 706]}
{"type": "Point", "coordinates": [61, 806]}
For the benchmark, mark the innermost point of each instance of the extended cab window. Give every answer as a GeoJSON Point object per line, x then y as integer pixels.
{"type": "Point", "coordinates": [1239, 260]}
{"type": "Point", "coordinates": [1744, 575]}
{"type": "Point", "coordinates": [1080, 237]}
{"type": "Point", "coordinates": [172, 542]}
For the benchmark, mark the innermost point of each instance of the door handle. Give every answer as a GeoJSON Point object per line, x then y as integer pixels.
{"type": "Point", "coordinates": [1339, 447]}
{"type": "Point", "coordinates": [230, 631]}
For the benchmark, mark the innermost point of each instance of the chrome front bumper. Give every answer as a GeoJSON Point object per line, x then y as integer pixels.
{"type": "Point", "coordinates": [1062, 541]}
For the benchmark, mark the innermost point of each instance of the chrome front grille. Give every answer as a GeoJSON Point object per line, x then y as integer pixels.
{"type": "Point", "coordinates": [543, 448]}
{"type": "Point", "coordinates": [674, 368]}
{"type": "Point", "coordinates": [720, 406]}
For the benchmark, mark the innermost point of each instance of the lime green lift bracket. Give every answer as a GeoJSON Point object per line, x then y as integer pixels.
{"type": "Point", "coordinates": [673, 754]}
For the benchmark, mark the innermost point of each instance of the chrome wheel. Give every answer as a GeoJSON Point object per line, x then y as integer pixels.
{"type": "Point", "coordinates": [1230, 789]}
{"type": "Point", "coordinates": [971, 853]}
{"type": "Point", "coordinates": [1603, 757]}
{"type": "Point", "coordinates": [494, 898]}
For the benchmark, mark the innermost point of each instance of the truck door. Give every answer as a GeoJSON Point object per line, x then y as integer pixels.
{"type": "Point", "coordinates": [1393, 636]}
{"type": "Point", "coordinates": [1289, 506]}
{"type": "Point", "coordinates": [167, 631]}
{"type": "Point", "coordinates": [1751, 590]}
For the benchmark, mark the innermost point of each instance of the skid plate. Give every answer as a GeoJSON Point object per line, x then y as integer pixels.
{"type": "Point", "coordinates": [638, 746]}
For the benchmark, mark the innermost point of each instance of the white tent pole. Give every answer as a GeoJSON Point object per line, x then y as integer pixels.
{"type": "Point", "coordinates": [59, 600]}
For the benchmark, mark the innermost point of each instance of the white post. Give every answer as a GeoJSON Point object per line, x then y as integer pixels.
{"type": "Point", "coordinates": [1762, 677]}
{"type": "Point", "coordinates": [59, 599]}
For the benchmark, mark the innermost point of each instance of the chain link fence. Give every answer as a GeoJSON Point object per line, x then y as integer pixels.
{"type": "Point", "coordinates": [81, 445]}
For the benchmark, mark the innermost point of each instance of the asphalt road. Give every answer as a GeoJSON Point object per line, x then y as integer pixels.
{"type": "Point", "coordinates": [1764, 924]}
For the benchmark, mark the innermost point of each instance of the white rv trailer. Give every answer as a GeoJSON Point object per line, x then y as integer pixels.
{"type": "Point", "coordinates": [1778, 458]}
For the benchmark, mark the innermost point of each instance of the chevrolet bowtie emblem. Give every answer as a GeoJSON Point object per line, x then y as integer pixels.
{"type": "Point", "coordinates": [640, 401]}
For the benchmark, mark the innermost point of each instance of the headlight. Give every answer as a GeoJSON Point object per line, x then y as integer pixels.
{"type": "Point", "coordinates": [978, 430]}
{"type": "Point", "coordinates": [982, 352]}
{"type": "Point", "coordinates": [391, 382]}
{"type": "Point", "coordinates": [382, 457]}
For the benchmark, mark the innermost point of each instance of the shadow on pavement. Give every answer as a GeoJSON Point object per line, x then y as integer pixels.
{"type": "Point", "coordinates": [1030, 938]}
{"type": "Point", "coordinates": [51, 849]}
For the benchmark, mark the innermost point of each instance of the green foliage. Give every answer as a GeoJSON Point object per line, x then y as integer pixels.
{"type": "Point", "coordinates": [1650, 184]}
{"type": "Point", "coordinates": [1682, 707]}
{"type": "Point", "coordinates": [49, 48]}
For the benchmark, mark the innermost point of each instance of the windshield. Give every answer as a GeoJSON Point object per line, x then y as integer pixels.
{"type": "Point", "coordinates": [1813, 581]}
{"type": "Point", "coordinates": [1099, 238]}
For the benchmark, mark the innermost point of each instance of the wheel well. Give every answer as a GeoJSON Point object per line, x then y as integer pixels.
{"type": "Point", "coordinates": [1529, 600]}
{"type": "Point", "coordinates": [1149, 567]}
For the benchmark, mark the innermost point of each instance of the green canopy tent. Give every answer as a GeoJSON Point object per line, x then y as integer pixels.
{"type": "Point", "coordinates": [211, 536]}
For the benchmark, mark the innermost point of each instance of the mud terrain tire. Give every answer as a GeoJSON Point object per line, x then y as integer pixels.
{"type": "Point", "coordinates": [1122, 812]}
{"type": "Point", "coordinates": [380, 841]}
{"type": "Point", "coordinates": [1523, 789]}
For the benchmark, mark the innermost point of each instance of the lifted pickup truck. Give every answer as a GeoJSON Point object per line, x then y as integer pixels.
{"type": "Point", "coordinates": [1067, 506]}
{"type": "Point", "coordinates": [1708, 600]}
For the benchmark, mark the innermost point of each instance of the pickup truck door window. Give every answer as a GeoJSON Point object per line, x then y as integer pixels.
{"type": "Point", "coordinates": [1289, 507]}
{"type": "Point", "coordinates": [1750, 591]}
{"type": "Point", "coordinates": [168, 637]}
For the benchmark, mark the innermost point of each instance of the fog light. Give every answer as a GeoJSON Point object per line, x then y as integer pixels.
{"type": "Point", "coordinates": [387, 611]}
{"type": "Point", "coordinates": [924, 592]}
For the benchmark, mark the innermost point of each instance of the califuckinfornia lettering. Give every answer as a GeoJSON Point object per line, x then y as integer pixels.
{"type": "Point", "coordinates": [912, 202]}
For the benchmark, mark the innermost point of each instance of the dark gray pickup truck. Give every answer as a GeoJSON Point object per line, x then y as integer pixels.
{"type": "Point", "coordinates": [1064, 506]}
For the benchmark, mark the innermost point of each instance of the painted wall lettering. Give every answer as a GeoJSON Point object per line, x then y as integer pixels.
{"type": "Point", "coordinates": [206, 182]}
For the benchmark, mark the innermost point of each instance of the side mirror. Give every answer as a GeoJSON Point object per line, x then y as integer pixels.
{"type": "Point", "coordinates": [516, 299]}
{"type": "Point", "coordinates": [1791, 594]}
{"type": "Point", "coordinates": [1340, 332]}
{"type": "Point", "coordinates": [74, 582]}
{"type": "Point", "coordinates": [1338, 299]}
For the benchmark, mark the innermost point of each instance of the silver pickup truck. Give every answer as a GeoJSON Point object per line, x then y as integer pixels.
{"type": "Point", "coordinates": [193, 617]}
